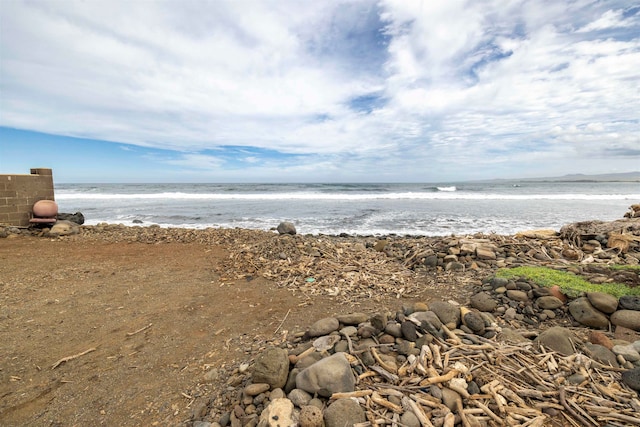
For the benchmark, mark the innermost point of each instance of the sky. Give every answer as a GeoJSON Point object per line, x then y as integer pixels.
{"type": "Point", "coordinates": [319, 91]}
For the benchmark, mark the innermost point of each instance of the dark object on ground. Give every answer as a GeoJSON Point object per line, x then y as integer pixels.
{"type": "Point", "coordinates": [77, 217]}
{"type": "Point", "coordinates": [286, 228]}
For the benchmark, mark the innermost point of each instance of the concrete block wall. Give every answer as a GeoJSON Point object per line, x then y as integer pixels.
{"type": "Point", "coordinates": [18, 193]}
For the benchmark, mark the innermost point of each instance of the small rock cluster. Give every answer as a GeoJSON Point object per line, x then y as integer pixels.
{"type": "Point", "coordinates": [436, 364]}
{"type": "Point", "coordinates": [529, 304]}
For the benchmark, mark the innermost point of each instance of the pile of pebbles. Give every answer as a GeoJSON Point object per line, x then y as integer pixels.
{"type": "Point", "coordinates": [441, 364]}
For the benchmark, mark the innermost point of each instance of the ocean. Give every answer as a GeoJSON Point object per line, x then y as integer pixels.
{"type": "Point", "coordinates": [504, 207]}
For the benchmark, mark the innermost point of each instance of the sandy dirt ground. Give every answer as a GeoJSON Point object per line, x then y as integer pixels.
{"type": "Point", "coordinates": [99, 333]}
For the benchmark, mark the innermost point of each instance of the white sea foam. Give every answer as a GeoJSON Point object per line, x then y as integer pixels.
{"type": "Point", "coordinates": [444, 195]}
{"type": "Point", "coordinates": [363, 209]}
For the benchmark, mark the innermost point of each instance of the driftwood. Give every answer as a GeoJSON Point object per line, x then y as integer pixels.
{"type": "Point", "coordinates": [579, 232]}
{"type": "Point", "coordinates": [621, 242]}
{"type": "Point", "coordinates": [521, 384]}
{"type": "Point", "coordinates": [350, 269]}
{"type": "Point", "coordinates": [68, 358]}
{"type": "Point", "coordinates": [144, 328]}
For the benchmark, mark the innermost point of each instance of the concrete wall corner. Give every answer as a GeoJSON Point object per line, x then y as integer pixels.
{"type": "Point", "coordinates": [18, 193]}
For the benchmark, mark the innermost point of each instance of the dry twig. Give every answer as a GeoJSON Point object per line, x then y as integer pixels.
{"type": "Point", "coordinates": [68, 358]}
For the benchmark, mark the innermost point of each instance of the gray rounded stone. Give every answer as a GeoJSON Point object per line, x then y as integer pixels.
{"type": "Point", "coordinates": [394, 329]}
{"type": "Point", "coordinates": [449, 398]}
{"type": "Point", "coordinates": [630, 302]}
{"type": "Point", "coordinates": [474, 321]}
{"type": "Point", "coordinates": [632, 378]}
{"type": "Point", "coordinates": [286, 228]}
{"type": "Point", "coordinates": [510, 335]}
{"type": "Point", "coordinates": [483, 302]}
{"type": "Point", "coordinates": [499, 282]}
{"type": "Point", "coordinates": [409, 419]}
{"type": "Point", "coordinates": [299, 397]}
{"type": "Point", "coordinates": [628, 351]}
{"type": "Point", "coordinates": [379, 321]}
{"type": "Point", "coordinates": [627, 318]}
{"type": "Point", "coordinates": [510, 313]}
{"type": "Point", "coordinates": [291, 380]}
{"type": "Point", "coordinates": [473, 388]}
{"type": "Point", "coordinates": [559, 339]}
{"type": "Point", "coordinates": [517, 295]}
{"type": "Point", "coordinates": [428, 319]}
{"type": "Point", "coordinates": [323, 327]}
{"type": "Point", "coordinates": [327, 376]}
{"type": "Point", "coordinates": [353, 319]}
{"type": "Point", "coordinates": [349, 331]}
{"type": "Point", "coordinates": [601, 354]}
{"type": "Point", "coordinates": [272, 367]}
{"type": "Point", "coordinates": [586, 314]}
{"type": "Point", "coordinates": [435, 391]}
{"type": "Point", "coordinates": [343, 412]}
{"type": "Point", "coordinates": [447, 313]}
{"type": "Point", "coordinates": [409, 331]}
{"type": "Point", "coordinates": [549, 302]}
{"type": "Point", "coordinates": [604, 302]}
{"type": "Point", "coordinates": [454, 266]}
{"type": "Point", "coordinates": [431, 261]}
{"type": "Point", "coordinates": [541, 292]}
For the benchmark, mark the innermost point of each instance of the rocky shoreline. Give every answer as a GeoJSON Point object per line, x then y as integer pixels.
{"type": "Point", "coordinates": [504, 351]}
{"type": "Point", "coordinates": [409, 368]}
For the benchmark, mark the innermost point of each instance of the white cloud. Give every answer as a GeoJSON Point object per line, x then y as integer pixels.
{"type": "Point", "coordinates": [609, 19]}
{"type": "Point", "coordinates": [379, 87]}
{"type": "Point", "coordinates": [196, 161]}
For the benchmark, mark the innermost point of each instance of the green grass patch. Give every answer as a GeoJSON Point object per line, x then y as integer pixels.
{"type": "Point", "coordinates": [570, 284]}
{"type": "Point", "coordinates": [625, 267]}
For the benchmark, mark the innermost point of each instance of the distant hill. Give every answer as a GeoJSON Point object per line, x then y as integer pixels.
{"type": "Point", "coordinates": [607, 177]}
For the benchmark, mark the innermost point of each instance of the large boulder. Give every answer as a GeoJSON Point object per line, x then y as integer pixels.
{"type": "Point", "coordinates": [558, 339]}
{"type": "Point", "coordinates": [286, 228]}
{"type": "Point", "coordinates": [604, 302]}
{"type": "Point", "coordinates": [77, 217]}
{"type": "Point", "coordinates": [448, 314]}
{"type": "Point", "coordinates": [586, 314]}
{"type": "Point", "coordinates": [627, 318]}
{"type": "Point", "coordinates": [327, 376]}
{"type": "Point", "coordinates": [428, 320]}
{"type": "Point", "coordinates": [272, 367]}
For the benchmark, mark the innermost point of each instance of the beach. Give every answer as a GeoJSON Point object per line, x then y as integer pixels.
{"type": "Point", "coordinates": [121, 325]}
